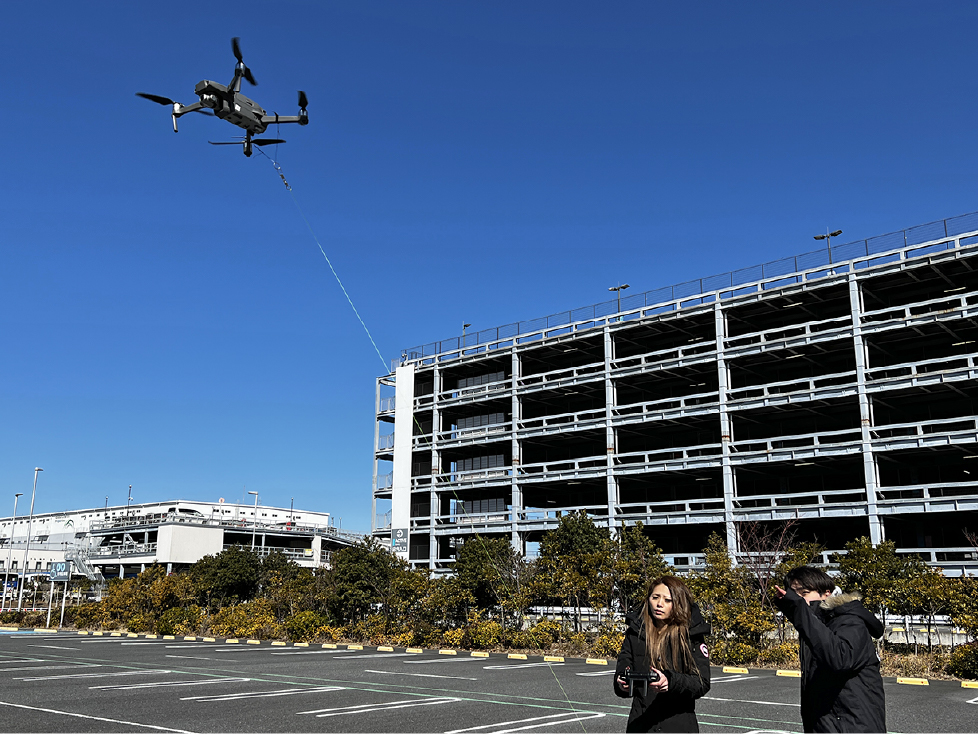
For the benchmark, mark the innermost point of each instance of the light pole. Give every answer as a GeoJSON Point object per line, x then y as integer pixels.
{"type": "Point", "coordinates": [129, 501]}
{"type": "Point", "coordinates": [618, 289]}
{"type": "Point", "coordinates": [10, 549]}
{"type": "Point", "coordinates": [106, 511]}
{"type": "Point", "coordinates": [464, 327]}
{"type": "Point", "coordinates": [30, 521]}
{"type": "Point", "coordinates": [254, 524]}
{"type": "Point", "coordinates": [828, 239]}
{"type": "Point", "coordinates": [292, 511]}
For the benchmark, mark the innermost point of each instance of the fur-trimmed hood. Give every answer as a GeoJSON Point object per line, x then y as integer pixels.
{"type": "Point", "coordinates": [851, 603]}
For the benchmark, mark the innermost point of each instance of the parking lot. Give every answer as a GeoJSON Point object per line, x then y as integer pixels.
{"type": "Point", "coordinates": [68, 682]}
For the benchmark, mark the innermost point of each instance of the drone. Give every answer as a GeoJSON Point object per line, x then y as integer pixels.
{"type": "Point", "coordinates": [227, 103]}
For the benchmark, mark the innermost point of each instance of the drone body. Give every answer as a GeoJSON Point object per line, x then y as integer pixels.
{"type": "Point", "coordinates": [227, 103]}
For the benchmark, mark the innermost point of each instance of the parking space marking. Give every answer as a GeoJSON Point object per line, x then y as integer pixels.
{"type": "Point", "coordinates": [418, 675]}
{"type": "Point", "coordinates": [264, 694]}
{"type": "Point", "coordinates": [542, 721]}
{"type": "Point", "coordinates": [744, 700]}
{"type": "Point", "coordinates": [21, 660]}
{"type": "Point", "coordinates": [732, 678]}
{"type": "Point", "coordinates": [366, 708]}
{"type": "Point", "coordinates": [973, 700]}
{"type": "Point", "coordinates": [171, 683]}
{"type": "Point", "coordinates": [600, 672]}
{"type": "Point", "coordinates": [67, 666]}
{"type": "Point", "coordinates": [92, 718]}
{"type": "Point", "coordinates": [56, 647]}
{"type": "Point", "coordinates": [522, 665]}
{"type": "Point", "coordinates": [94, 675]}
{"type": "Point", "coordinates": [188, 657]}
{"type": "Point", "coordinates": [313, 652]}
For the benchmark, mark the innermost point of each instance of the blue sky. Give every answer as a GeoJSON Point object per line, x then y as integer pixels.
{"type": "Point", "coordinates": [167, 321]}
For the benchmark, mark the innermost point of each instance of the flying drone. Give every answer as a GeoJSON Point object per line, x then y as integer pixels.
{"type": "Point", "coordinates": [229, 104]}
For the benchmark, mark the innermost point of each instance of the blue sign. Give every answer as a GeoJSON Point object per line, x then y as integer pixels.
{"type": "Point", "coordinates": [61, 571]}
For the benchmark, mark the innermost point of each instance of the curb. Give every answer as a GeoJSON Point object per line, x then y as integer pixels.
{"type": "Point", "coordinates": [913, 681]}
{"type": "Point", "coordinates": [731, 669]}
{"type": "Point", "coordinates": [789, 673]}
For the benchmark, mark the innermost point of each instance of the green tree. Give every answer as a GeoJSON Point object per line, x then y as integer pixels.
{"type": "Point", "coordinates": [495, 575]}
{"type": "Point", "coordinates": [635, 561]}
{"type": "Point", "coordinates": [361, 579]}
{"type": "Point", "coordinates": [227, 578]}
{"type": "Point", "coordinates": [575, 559]}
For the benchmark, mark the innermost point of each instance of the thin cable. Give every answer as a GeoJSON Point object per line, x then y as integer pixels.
{"type": "Point", "coordinates": [278, 168]}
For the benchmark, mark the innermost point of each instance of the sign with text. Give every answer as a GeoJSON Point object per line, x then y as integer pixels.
{"type": "Point", "coordinates": [61, 571]}
{"type": "Point", "coordinates": [399, 540]}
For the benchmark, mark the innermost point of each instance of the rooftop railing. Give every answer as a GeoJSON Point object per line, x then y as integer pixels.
{"type": "Point", "coordinates": [923, 239]}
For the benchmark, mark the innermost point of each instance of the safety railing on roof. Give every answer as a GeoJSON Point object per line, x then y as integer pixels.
{"type": "Point", "coordinates": [916, 241]}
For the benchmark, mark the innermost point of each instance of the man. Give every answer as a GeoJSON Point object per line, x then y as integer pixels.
{"type": "Point", "coordinates": [841, 686]}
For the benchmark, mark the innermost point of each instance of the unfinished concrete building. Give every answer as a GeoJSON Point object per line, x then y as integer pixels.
{"type": "Point", "coordinates": [835, 389]}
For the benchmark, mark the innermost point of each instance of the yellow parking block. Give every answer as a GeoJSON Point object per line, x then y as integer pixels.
{"type": "Point", "coordinates": [254, 642]}
{"type": "Point", "coordinates": [9, 629]}
{"type": "Point", "coordinates": [789, 673]}
{"type": "Point", "coordinates": [169, 637]}
{"type": "Point", "coordinates": [278, 642]}
{"type": "Point", "coordinates": [190, 638]}
{"type": "Point", "coordinates": [553, 659]}
{"type": "Point", "coordinates": [82, 632]}
{"type": "Point", "coordinates": [232, 642]}
{"type": "Point", "coordinates": [478, 654]}
{"type": "Point", "coordinates": [516, 656]}
{"type": "Point", "coordinates": [152, 637]}
{"type": "Point", "coordinates": [98, 634]}
{"type": "Point", "coordinates": [209, 639]}
{"type": "Point", "coordinates": [914, 681]}
{"type": "Point", "coordinates": [115, 634]}
{"type": "Point", "coordinates": [131, 634]}
{"type": "Point", "coordinates": [329, 645]}
{"type": "Point", "coordinates": [729, 669]}
{"type": "Point", "coordinates": [899, 629]}
{"type": "Point", "coordinates": [301, 644]}
{"type": "Point", "coordinates": [414, 649]}
{"type": "Point", "coordinates": [448, 652]}
{"type": "Point", "coordinates": [969, 684]}
{"type": "Point", "coordinates": [354, 647]}
{"type": "Point", "coordinates": [596, 661]}
{"type": "Point", "coordinates": [385, 648]}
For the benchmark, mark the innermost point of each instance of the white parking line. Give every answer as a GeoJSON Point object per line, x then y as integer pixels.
{"type": "Point", "coordinates": [444, 660]}
{"type": "Point", "coordinates": [92, 718]}
{"type": "Point", "coordinates": [95, 675]}
{"type": "Point", "coordinates": [522, 665]}
{"type": "Point", "coordinates": [418, 675]}
{"type": "Point", "coordinates": [732, 678]}
{"type": "Point", "coordinates": [55, 647]}
{"type": "Point", "coordinates": [600, 672]}
{"type": "Point", "coordinates": [188, 657]}
{"type": "Point", "coordinates": [22, 660]}
{"type": "Point", "coordinates": [315, 652]}
{"type": "Point", "coordinates": [370, 707]}
{"type": "Point", "coordinates": [744, 700]}
{"type": "Point", "coordinates": [174, 683]}
{"type": "Point", "coordinates": [542, 721]}
{"type": "Point", "coordinates": [68, 666]}
{"type": "Point", "coordinates": [264, 694]}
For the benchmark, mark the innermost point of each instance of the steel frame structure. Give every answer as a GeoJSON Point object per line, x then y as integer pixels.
{"type": "Point", "coordinates": [841, 397]}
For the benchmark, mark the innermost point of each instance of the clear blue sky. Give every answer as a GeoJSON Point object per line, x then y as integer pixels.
{"type": "Point", "coordinates": [167, 321]}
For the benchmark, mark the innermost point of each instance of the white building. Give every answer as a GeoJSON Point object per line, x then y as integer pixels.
{"type": "Point", "coordinates": [124, 540]}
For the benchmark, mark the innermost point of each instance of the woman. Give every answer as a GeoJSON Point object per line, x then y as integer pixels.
{"type": "Point", "coordinates": [665, 636]}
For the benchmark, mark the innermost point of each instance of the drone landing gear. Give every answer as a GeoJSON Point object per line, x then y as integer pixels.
{"type": "Point", "coordinates": [248, 142]}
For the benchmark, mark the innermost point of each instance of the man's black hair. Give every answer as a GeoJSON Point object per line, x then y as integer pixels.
{"type": "Point", "coordinates": [811, 578]}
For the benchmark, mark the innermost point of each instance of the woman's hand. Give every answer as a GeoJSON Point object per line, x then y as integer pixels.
{"type": "Point", "coordinates": [779, 592]}
{"type": "Point", "coordinates": [661, 685]}
{"type": "Point", "coordinates": [622, 682]}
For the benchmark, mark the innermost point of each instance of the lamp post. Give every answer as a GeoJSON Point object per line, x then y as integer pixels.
{"type": "Point", "coordinates": [10, 550]}
{"type": "Point", "coordinates": [27, 547]}
{"type": "Point", "coordinates": [129, 501]}
{"type": "Point", "coordinates": [618, 289]}
{"type": "Point", "coordinates": [106, 511]}
{"type": "Point", "coordinates": [464, 327]}
{"type": "Point", "coordinates": [254, 524]}
{"type": "Point", "coordinates": [292, 510]}
{"type": "Point", "coordinates": [828, 239]}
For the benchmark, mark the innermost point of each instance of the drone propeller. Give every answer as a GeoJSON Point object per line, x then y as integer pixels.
{"type": "Point", "coordinates": [302, 100]}
{"type": "Point", "coordinates": [267, 141]}
{"type": "Point", "coordinates": [156, 98]}
{"type": "Point", "coordinates": [246, 72]}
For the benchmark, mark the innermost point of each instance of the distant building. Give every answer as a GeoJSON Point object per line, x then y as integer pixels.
{"type": "Point", "coordinates": [835, 389]}
{"type": "Point", "coordinates": [122, 541]}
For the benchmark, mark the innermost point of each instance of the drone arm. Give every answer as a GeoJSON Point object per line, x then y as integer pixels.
{"type": "Point", "coordinates": [281, 119]}
{"type": "Point", "coordinates": [180, 110]}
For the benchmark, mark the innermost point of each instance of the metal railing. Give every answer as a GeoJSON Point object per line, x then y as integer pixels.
{"type": "Point", "coordinates": [931, 237]}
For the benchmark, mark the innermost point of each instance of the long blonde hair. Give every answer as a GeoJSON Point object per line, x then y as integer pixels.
{"type": "Point", "coordinates": [672, 637]}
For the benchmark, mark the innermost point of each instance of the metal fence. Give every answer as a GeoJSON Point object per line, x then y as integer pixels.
{"type": "Point", "coordinates": [692, 292]}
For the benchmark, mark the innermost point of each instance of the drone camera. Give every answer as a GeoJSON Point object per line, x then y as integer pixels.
{"type": "Point", "coordinates": [638, 683]}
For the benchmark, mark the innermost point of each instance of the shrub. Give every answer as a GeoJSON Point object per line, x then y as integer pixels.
{"type": "Point", "coordinates": [140, 622]}
{"type": "Point", "coordinates": [180, 621]}
{"type": "Point", "coordinates": [608, 642]}
{"type": "Point", "coordinates": [330, 632]}
{"type": "Point", "coordinates": [964, 661]}
{"type": "Point", "coordinates": [304, 626]}
{"type": "Point", "coordinates": [780, 655]}
{"type": "Point", "coordinates": [546, 632]}
{"type": "Point", "coordinates": [485, 633]}
{"type": "Point", "coordinates": [373, 629]}
{"type": "Point", "coordinates": [519, 639]}
{"type": "Point", "coordinates": [736, 653]}
{"type": "Point", "coordinates": [34, 619]}
{"type": "Point", "coordinates": [253, 619]}
{"type": "Point", "coordinates": [454, 638]}
{"type": "Point", "coordinates": [9, 617]}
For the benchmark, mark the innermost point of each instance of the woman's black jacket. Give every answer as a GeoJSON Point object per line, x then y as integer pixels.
{"type": "Point", "coordinates": [673, 710]}
{"type": "Point", "coordinates": [841, 687]}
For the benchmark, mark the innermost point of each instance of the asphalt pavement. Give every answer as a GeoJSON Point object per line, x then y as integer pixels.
{"type": "Point", "coordinates": [67, 682]}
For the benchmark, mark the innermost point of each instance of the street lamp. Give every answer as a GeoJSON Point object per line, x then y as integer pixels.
{"type": "Point", "coordinates": [10, 550]}
{"type": "Point", "coordinates": [618, 289]}
{"type": "Point", "coordinates": [30, 521]}
{"type": "Point", "coordinates": [129, 501]}
{"type": "Point", "coordinates": [464, 327]}
{"type": "Point", "coordinates": [254, 525]}
{"type": "Point", "coordinates": [828, 239]}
